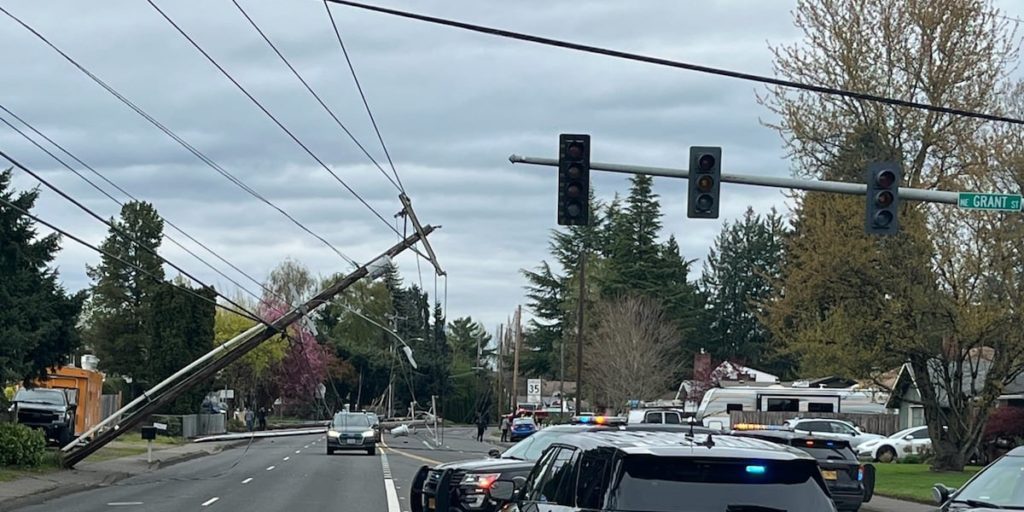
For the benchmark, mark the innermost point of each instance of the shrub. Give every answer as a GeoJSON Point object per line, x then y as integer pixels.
{"type": "Point", "coordinates": [236, 425]}
{"type": "Point", "coordinates": [21, 445]}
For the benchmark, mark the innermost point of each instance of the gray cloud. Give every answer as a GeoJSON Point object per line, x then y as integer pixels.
{"type": "Point", "coordinates": [452, 106]}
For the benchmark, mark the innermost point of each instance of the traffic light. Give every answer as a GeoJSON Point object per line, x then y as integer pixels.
{"type": "Point", "coordinates": [573, 180]}
{"type": "Point", "coordinates": [704, 180]}
{"type": "Point", "coordinates": [883, 198]}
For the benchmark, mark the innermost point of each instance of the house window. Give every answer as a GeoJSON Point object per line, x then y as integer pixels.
{"type": "Point", "coordinates": [733, 407]}
{"type": "Point", "coordinates": [916, 417]}
{"type": "Point", "coordinates": [819, 407]}
{"type": "Point", "coordinates": [784, 404]}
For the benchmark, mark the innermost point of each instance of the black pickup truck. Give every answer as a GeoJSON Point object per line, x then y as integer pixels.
{"type": "Point", "coordinates": [52, 410]}
{"type": "Point", "coordinates": [462, 485]}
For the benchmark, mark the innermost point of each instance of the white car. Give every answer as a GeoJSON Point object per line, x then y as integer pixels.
{"type": "Point", "coordinates": [832, 429]}
{"type": "Point", "coordinates": [900, 444]}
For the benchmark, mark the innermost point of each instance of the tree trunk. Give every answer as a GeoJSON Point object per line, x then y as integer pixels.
{"type": "Point", "coordinates": [947, 457]}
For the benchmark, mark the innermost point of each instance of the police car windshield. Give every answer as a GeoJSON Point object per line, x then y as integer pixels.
{"type": "Point", "coordinates": [532, 447]}
{"type": "Point", "coordinates": [660, 484]}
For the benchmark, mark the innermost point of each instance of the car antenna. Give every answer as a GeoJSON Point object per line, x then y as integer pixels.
{"type": "Point", "coordinates": [691, 427]}
{"type": "Point", "coordinates": [710, 442]}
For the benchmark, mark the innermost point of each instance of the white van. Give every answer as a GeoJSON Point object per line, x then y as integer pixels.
{"type": "Point", "coordinates": [660, 416]}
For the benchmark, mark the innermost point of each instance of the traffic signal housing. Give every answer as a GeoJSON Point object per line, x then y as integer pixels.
{"type": "Point", "coordinates": [883, 198]}
{"type": "Point", "coordinates": [573, 180]}
{"type": "Point", "coordinates": [704, 180]}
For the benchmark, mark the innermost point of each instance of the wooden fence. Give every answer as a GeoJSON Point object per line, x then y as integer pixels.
{"type": "Point", "coordinates": [884, 424]}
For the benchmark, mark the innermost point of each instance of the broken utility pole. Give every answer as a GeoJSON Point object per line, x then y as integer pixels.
{"type": "Point", "coordinates": [243, 344]}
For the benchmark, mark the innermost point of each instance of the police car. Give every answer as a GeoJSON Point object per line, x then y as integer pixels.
{"type": "Point", "coordinates": [463, 485]}
{"type": "Point", "coordinates": [662, 472]}
{"type": "Point", "coordinates": [849, 482]}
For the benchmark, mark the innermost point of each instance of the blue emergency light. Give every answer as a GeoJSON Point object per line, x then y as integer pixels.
{"type": "Point", "coordinates": [756, 470]}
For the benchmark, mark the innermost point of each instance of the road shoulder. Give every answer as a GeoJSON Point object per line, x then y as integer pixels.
{"type": "Point", "coordinates": [32, 490]}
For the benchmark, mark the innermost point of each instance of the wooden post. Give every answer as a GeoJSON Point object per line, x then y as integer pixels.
{"type": "Point", "coordinates": [515, 358]}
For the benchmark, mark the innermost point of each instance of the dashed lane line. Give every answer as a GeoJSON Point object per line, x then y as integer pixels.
{"type": "Point", "coordinates": [247, 480]}
{"type": "Point", "coordinates": [210, 501]}
{"type": "Point", "coordinates": [270, 468]}
{"type": "Point", "coordinates": [389, 485]}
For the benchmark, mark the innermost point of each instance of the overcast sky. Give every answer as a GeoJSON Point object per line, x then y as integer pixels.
{"type": "Point", "coordinates": [452, 106]}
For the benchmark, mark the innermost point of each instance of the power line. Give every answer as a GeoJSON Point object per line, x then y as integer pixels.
{"type": "Point", "coordinates": [315, 95]}
{"type": "Point", "coordinates": [170, 133]}
{"type": "Point", "coordinates": [366, 104]}
{"type": "Point", "coordinates": [119, 203]}
{"type": "Point", "coordinates": [112, 226]}
{"type": "Point", "coordinates": [682, 65]}
{"type": "Point", "coordinates": [18, 209]}
{"type": "Point", "coordinates": [267, 112]}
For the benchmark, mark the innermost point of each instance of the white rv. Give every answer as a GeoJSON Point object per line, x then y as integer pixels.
{"type": "Point", "coordinates": [714, 409]}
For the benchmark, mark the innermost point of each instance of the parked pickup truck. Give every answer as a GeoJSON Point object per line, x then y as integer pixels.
{"type": "Point", "coordinates": [52, 410]}
{"type": "Point", "coordinates": [64, 404]}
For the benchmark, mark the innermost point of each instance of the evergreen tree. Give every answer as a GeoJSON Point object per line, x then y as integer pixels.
{"type": "Point", "coordinates": [182, 330]}
{"type": "Point", "coordinates": [633, 251]}
{"type": "Point", "coordinates": [120, 305]}
{"type": "Point", "coordinates": [739, 276]}
{"type": "Point", "coordinates": [37, 317]}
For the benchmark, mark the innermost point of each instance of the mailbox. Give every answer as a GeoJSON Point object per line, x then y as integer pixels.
{"type": "Point", "coordinates": [149, 433]}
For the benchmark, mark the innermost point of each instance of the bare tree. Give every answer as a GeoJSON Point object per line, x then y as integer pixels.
{"type": "Point", "coordinates": [632, 354]}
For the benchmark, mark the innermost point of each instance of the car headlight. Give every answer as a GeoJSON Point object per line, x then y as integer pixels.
{"type": "Point", "coordinates": [480, 480]}
{"type": "Point", "coordinates": [369, 433]}
{"type": "Point", "coordinates": [333, 434]}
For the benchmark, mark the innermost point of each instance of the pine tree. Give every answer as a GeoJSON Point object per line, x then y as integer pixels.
{"type": "Point", "coordinates": [181, 329]}
{"type": "Point", "coordinates": [739, 276]}
{"type": "Point", "coordinates": [37, 317]}
{"type": "Point", "coordinates": [633, 251]}
{"type": "Point", "coordinates": [118, 329]}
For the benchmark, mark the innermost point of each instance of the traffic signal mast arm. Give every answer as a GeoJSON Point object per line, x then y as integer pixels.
{"type": "Point", "coordinates": [836, 187]}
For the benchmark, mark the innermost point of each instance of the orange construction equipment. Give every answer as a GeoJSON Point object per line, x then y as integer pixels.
{"type": "Point", "coordinates": [86, 386]}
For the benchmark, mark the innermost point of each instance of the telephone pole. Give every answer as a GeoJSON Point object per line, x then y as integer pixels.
{"type": "Point", "coordinates": [515, 364]}
{"type": "Point", "coordinates": [579, 330]}
{"type": "Point", "coordinates": [207, 366]}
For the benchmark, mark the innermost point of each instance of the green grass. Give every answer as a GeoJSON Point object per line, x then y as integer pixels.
{"type": "Point", "coordinates": [914, 482]}
{"type": "Point", "coordinates": [49, 464]}
{"type": "Point", "coordinates": [115, 452]}
{"type": "Point", "coordinates": [136, 440]}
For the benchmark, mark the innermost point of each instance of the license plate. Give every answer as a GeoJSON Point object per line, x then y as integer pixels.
{"type": "Point", "coordinates": [829, 474]}
{"type": "Point", "coordinates": [431, 504]}
{"type": "Point", "coordinates": [352, 441]}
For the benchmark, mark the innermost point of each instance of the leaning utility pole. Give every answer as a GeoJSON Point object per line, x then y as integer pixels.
{"type": "Point", "coordinates": [579, 330]}
{"type": "Point", "coordinates": [241, 345]}
{"type": "Point", "coordinates": [500, 381]}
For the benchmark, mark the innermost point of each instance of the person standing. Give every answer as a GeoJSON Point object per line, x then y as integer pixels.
{"type": "Point", "coordinates": [261, 417]}
{"type": "Point", "coordinates": [249, 419]}
{"type": "Point", "coordinates": [505, 426]}
{"type": "Point", "coordinates": [481, 426]}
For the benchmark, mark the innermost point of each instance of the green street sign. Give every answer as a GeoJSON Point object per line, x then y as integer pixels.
{"type": "Point", "coordinates": [991, 202]}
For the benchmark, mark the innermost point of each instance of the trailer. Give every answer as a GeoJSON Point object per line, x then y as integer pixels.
{"type": "Point", "coordinates": [717, 403]}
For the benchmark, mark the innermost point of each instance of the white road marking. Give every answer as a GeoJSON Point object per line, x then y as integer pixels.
{"type": "Point", "coordinates": [123, 503]}
{"type": "Point", "coordinates": [286, 458]}
{"type": "Point", "coordinates": [389, 485]}
{"type": "Point", "coordinates": [247, 480]}
{"type": "Point", "coordinates": [298, 451]}
{"type": "Point", "coordinates": [270, 467]}
{"type": "Point", "coordinates": [209, 502]}
{"type": "Point", "coordinates": [428, 445]}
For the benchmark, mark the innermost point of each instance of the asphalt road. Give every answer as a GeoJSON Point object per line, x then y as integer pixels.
{"type": "Point", "coordinates": [280, 474]}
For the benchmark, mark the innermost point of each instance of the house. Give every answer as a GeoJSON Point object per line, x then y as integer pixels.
{"type": "Point", "coordinates": [905, 397]}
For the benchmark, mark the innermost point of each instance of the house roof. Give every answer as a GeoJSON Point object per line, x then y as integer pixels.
{"type": "Point", "coordinates": [906, 378]}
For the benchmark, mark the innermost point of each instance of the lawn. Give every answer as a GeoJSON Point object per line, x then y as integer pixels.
{"type": "Point", "coordinates": [49, 464]}
{"type": "Point", "coordinates": [915, 481]}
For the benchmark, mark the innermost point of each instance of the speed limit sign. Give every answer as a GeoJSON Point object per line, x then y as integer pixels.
{"type": "Point", "coordinates": [533, 391]}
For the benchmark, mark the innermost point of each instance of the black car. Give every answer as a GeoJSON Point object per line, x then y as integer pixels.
{"type": "Point", "coordinates": [999, 486]}
{"type": "Point", "coordinates": [849, 482]}
{"type": "Point", "coordinates": [662, 472]}
{"type": "Point", "coordinates": [351, 431]}
{"type": "Point", "coordinates": [462, 485]}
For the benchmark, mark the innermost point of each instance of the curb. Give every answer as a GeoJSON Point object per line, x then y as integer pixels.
{"type": "Point", "coordinates": [108, 479]}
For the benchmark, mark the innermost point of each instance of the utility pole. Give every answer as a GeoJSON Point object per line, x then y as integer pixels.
{"type": "Point", "coordinates": [500, 381]}
{"type": "Point", "coordinates": [579, 330]}
{"type": "Point", "coordinates": [207, 366]}
{"type": "Point", "coordinates": [515, 363]}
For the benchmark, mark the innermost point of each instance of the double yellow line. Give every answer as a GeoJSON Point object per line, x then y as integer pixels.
{"type": "Point", "coordinates": [407, 454]}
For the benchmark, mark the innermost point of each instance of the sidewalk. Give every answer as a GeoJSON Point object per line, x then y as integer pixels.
{"type": "Point", "coordinates": [883, 504]}
{"type": "Point", "coordinates": [35, 489]}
